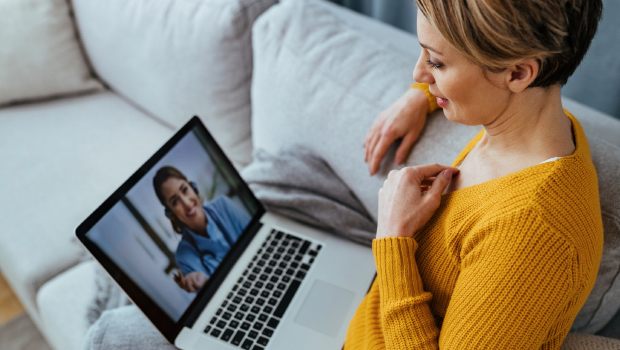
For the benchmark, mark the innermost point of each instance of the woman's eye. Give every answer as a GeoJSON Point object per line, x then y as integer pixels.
{"type": "Point", "coordinates": [174, 203]}
{"type": "Point", "coordinates": [433, 64]}
{"type": "Point", "coordinates": [184, 190]}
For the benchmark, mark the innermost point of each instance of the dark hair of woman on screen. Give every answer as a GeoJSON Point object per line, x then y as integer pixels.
{"type": "Point", "coordinates": [208, 230]}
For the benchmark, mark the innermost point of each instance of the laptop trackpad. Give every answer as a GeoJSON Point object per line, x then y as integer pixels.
{"type": "Point", "coordinates": [325, 308]}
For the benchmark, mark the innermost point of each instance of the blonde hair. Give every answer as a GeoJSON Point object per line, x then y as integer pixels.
{"type": "Point", "coordinates": [498, 33]}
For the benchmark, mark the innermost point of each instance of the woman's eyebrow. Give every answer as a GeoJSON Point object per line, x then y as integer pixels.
{"type": "Point", "coordinates": [431, 49]}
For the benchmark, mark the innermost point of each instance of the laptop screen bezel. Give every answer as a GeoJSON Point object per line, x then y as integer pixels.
{"type": "Point", "coordinates": [166, 326]}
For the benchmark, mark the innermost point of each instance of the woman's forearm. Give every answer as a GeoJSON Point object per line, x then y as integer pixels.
{"type": "Point", "coordinates": [405, 312]}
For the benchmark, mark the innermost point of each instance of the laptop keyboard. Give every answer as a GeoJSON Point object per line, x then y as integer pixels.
{"type": "Point", "coordinates": [255, 305]}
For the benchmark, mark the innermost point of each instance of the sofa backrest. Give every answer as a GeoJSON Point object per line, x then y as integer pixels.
{"type": "Point", "coordinates": [178, 58]}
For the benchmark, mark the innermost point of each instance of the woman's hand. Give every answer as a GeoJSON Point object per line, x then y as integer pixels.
{"type": "Point", "coordinates": [410, 197]}
{"type": "Point", "coordinates": [404, 118]}
{"type": "Point", "coordinates": [192, 282]}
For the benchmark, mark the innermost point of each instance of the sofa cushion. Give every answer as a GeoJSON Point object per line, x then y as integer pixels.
{"type": "Point", "coordinates": [63, 303]}
{"type": "Point", "coordinates": [40, 55]}
{"type": "Point", "coordinates": [178, 58]}
{"type": "Point", "coordinates": [320, 82]}
{"type": "Point", "coordinates": [60, 161]}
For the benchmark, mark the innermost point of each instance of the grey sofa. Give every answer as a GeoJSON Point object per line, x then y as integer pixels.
{"type": "Point", "coordinates": [307, 72]}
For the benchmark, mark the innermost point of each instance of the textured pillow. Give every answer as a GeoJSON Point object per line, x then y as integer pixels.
{"type": "Point", "coordinates": [178, 58]}
{"type": "Point", "coordinates": [320, 83]}
{"type": "Point", "coordinates": [40, 56]}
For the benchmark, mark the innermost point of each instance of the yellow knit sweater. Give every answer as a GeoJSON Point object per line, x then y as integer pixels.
{"type": "Point", "coordinates": [505, 264]}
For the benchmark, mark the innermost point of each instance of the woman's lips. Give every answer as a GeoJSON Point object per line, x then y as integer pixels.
{"type": "Point", "coordinates": [191, 213]}
{"type": "Point", "coordinates": [442, 102]}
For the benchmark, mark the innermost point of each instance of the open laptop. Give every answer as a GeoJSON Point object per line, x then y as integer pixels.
{"type": "Point", "coordinates": [193, 248]}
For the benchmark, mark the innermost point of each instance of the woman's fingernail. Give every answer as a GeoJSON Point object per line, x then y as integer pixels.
{"type": "Point", "coordinates": [447, 174]}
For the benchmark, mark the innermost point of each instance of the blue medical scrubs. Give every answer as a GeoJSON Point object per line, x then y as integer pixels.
{"type": "Point", "coordinates": [225, 223]}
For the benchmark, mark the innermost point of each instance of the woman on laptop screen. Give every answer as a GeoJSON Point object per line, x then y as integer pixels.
{"type": "Point", "coordinates": [208, 230]}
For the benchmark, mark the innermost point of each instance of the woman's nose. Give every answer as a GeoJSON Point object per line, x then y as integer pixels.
{"type": "Point", "coordinates": [421, 73]}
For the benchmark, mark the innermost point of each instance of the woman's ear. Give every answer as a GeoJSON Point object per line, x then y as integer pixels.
{"type": "Point", "coordinates": [521, 75]}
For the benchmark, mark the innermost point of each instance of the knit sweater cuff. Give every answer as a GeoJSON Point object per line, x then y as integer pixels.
{"type": "Point", "coordinates": [397, 271]}
{"type": "Point", "coordinates": [432, 101]}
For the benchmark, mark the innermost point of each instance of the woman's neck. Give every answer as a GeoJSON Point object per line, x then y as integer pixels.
{"type": "Point", "coordinates": [532, 126]}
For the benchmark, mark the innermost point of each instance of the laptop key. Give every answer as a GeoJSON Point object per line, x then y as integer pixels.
{"type": "Point", "coordinates": [237, 300]}
{"type": "Point", "coordinates": [268, 270]}
{"type": "Point", "coordinates": [242, 292]}
{"type": "Point", "coordinates": [258, 326]}
{"type": "Point", "coordinates": [274, 279]}
{"type": "Point", "coordinates": [294, 264]}
{"type": "Point", "coordinates": [244, 307]}
{"type": "Point", "coordinates": [253, 334]}
{"type": "Point", "coordinates": [273, 323]}
{"type": "Point", "coordinates": [234, 324]}
{"type": "Point", "coordinates": [279, 235]}
{"type": "Point", "coordinates": [221, 324]}
{"type": "Point", "coordinates": [256, 347]}
{"type": "Point", "coordinates": [216, 332]}
{"type": "Point", "coordinates": [250, 317]}
{"type": "Point", "coordinates": [259, 284]}
{"type": "Point", "coordinates": [252, 277]}
{"type": "Point", "coordinates": [226, 316]}
{"type": "Point", "coordinates": [213, 320]}
{"type": "Point", "coordinates": [263, 317]}
{"type": "Point", "coordinates": [273, 263]}
{"type": "Point", "coordinates": [273, 301]}
{"type": "Point", "coordinates": [261, 263]}
{"type": "Point", "coordinates": [290, 272]}
{"type": "Point", "coordinates": [245, 326]}
{"type": "Point", "coordinates": [286, 279]}
{"type": "Point", "coordinates": [237, 338]}
{"type": "Point", "coordinates": [263, 341]}
{"type": "Point", "coordinates": [282, 286]}
{"type": "Point", "coordinates": [304, 247]}
{"type": "Point", "coordinates": [227, 334]}
{"type": "Point", "coordinates": [232, 308]}
{"type": "Point", "coordinates": [300, 274]}
{"type": "Point", "coordinates": [298, 257]}
{"type": "Point", "coordinates": [286, 299]}
{"type": "Point", "coordinates": [247, 344]}
{"type": "Point", "coordinates": [264, 277]}
{"type": "Point", "coordinates": [305, 267]}
{"type": "Point", "coordinates": [264, 294]}
{"type": "Point", "coordinates": [247, 285]}
{"type": "Point", "coordinates": [295, 244]}
{"type": "Point", "coordinates": [239, 315]}
{"type": "Point", "coordinates": [260, 301]}
{"type": "Point", "coordinates": [249, 300]}
{"type": "Point", "coordinates": [312, 253]}
{"type": "Point", "coordinates": [255, 309]}
{"type": "Point", "coordinates": [281, 250]}
{"type": "Point", "coordinates": [269, 286]}
{"type": "Point", "coordinates": [291, 251]}
{"type": "Point", "coordinates": [282, 265]}
{"type": "Point", "coordinates": [279, 272]}
{"type": "Point", "coordinates": [254, 292]}
{"type": "Point", "coordinates": [267, 332]}
{"type": "Point", "coordinates": [277, 294]}
{"type": "Point", "coordinates": [207, 329]}
{"type": "Point", "coordinates": [287, 258]}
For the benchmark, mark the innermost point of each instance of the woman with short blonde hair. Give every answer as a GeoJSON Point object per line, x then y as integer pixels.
{"type": "Point", "coordinates": [501, 249]}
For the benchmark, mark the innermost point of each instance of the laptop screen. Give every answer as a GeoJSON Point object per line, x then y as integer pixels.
{"type": "Point", "coordinates": [166, 231]}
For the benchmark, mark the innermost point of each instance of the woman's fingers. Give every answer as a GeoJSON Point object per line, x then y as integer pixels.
{"type": "Point", "coordinates": [430, 170]}
{"type": "Point", "coordinates": [439, 185]}
{"type": "Point", "coordinates": [378, 153]}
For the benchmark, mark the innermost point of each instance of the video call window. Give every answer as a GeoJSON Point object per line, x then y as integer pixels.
{"type": "Point", "coordinates": [174, 227]}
